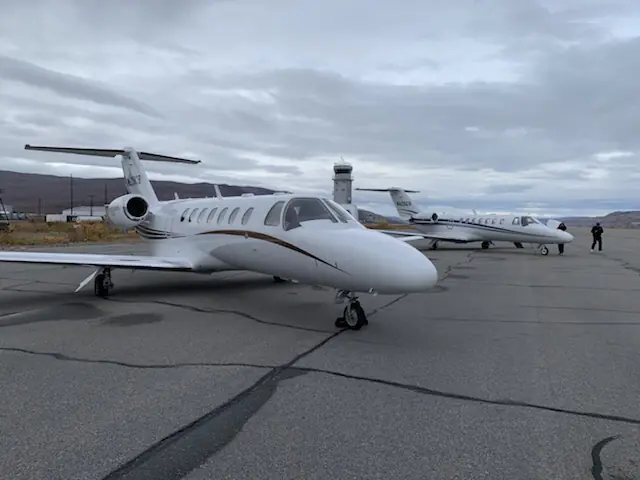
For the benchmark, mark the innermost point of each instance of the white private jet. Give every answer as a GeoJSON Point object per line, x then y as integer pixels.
{"type": "Point", "coordinates": [458, 227]}
{"type": "Point", "coordinates": [306, 238]}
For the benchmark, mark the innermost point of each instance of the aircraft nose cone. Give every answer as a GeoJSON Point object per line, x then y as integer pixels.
{"type": "Point", "coordinates": [567, 237]}
{"type": "Point", "coordinates": [420, 276]}
{"type": "Point", "coordinates": [408, 270]}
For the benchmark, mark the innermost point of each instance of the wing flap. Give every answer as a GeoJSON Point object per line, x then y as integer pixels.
{"type": "Point", "coordinates": [96, 260]}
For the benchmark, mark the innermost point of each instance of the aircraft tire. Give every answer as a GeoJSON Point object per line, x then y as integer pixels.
{"type": "Point", "coordinates": [354, 316]}
{"type": "Point", "coordinates": [99, 287]}
{"type": "Point", "coordinates": [544, 250]}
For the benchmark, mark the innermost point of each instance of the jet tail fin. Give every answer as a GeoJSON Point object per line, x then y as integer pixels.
{"type": "Point", "coordinates": [136, 180]}
{"type": "Point", "coordinates": [404, 205]}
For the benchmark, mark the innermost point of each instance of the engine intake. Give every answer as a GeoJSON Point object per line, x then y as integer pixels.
{"type": "Point", "coordinates": [434, 217]}
{"type": "Point", "coordinates": [127, 211]}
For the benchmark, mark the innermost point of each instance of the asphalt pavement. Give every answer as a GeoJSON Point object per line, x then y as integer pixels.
{"type": "Point", "coordinates": [515, 366]}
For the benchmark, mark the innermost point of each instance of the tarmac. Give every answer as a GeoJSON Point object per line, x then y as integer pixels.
{"type": "Point", "coordinates": [515, 366]}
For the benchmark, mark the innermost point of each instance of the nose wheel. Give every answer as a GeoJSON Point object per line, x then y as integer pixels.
{"type": "Point", "coordinates": [544, 250]}
{"type": "Point", "coordinates": [354, 316]}
{"type": "Point", "coordinates": [102, 283]}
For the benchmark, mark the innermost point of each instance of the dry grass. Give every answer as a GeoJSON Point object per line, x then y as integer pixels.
{"type": "Point", "coordinates": [24, 233]}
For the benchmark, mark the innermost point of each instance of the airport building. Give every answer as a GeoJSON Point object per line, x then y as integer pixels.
{"type": "Point", "coordinates": [83, 211]}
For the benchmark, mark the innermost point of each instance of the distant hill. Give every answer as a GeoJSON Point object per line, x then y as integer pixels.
{"type": "Point", "coordinates": [619, 219]}
{"type": "Point", "coordinates": [34, 193]}
{"type": "Point", "coordinates": [23, 191]}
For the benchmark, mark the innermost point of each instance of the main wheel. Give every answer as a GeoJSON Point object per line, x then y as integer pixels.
{"type": "Point", "coordinates": [485, 245]}
{"type": "Point", "coordinates": [544, 250]}
{"type": "Point", "coordinates": [354, 316]}
{"type": "Point", "coordinates": [100, 286]}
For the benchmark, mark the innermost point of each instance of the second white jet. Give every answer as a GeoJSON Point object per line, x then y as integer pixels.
{"type": "Point", "coordinates": [462, 227]}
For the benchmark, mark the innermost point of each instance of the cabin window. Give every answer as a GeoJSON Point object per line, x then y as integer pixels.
{"type": "Point", "coordinates": [246, 216]}
{"type": "Point", "coordinates": [202, 214]}
{"type": "Point", "coordinates": [193, 214]}
{"type": "Point", "coordinates": [467, 220]}
{"type": "Point", "coordinates": [211, 215]}
{"type": "Point", "coordinates": [273, 215]}
{"type": "Point", "coordinates": [502, 221]}
{"type": "Point", "coordinates": [234, 214]}
{"type": "Point", "coordinates": [473, 220]}
{"type": "Point", "coordinates": [516, 221]}
{"type": "Point", "coordinates": [223, 213]}
{"type": "Point", "coordinates": [494, 221]}
{"type": "Point", "coordinates": [307, 209]}
{"type": "Point", "coordinates": [184, 215]}
{"type": "Point", "coordinates": [338, 211]}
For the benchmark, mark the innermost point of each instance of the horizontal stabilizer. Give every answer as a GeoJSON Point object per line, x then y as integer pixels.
{"type": "Point", "coordinates": [103, 152]}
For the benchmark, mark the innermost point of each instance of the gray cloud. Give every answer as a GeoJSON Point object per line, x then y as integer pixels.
{"type": "Point", "coordinates": [495, 102]}
{"type": "Point", "coordinates": [66, 85]}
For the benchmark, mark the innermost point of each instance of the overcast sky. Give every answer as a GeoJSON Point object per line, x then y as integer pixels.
{"type": "Point", "coordinates": [501, 105]}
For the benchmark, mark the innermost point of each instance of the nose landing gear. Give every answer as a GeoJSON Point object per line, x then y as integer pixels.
{"type": "Point", "coordinates": [102, 283]}
{"type": "Point", "coordinates": [544, 250]}
{"type": "Point", "coordinates": [354, 316]}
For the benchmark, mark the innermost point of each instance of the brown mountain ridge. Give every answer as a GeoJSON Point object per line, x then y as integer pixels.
{"type": "Point", "coordinates": [35, 193]}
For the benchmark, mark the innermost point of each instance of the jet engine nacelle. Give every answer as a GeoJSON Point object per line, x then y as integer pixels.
{"type": "Point", "coordinates": [127, 211]}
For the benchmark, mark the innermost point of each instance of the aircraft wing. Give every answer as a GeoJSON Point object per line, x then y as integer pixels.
{"type": "Point", "coordinates": [96, 260]}
{"type": "Point", "coordinates": [442, 236]}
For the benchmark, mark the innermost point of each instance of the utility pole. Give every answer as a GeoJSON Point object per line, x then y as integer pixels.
{"type": "Point", "coordinates": [91, 205]}
{"type": "Point", "coordinates": [71, 192]}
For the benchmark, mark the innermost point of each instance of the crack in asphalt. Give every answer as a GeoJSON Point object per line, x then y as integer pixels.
{"type": "Point", "coordinates": [186, 449]}
{"type": "Point", "coordinates": [238, 313]}
{"type": "Point", "coordinates": [564, 287]}
{"type": "Point", "coordinates": [530, 322]}
{"type": "Point", "coordinates": [304, 370]}
{"type": "Point", "coordinates": [142, 366]}
{"type": "Point", "coordinates": [580, 309]}
{"type": "Point", "coordinates": [596, 460]}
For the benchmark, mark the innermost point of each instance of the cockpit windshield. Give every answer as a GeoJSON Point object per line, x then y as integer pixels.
{"type": "Point", "coordinates": [526, 220]}
{"type": "Point", "coordinates": [300, 210]}
{"type": "Point", "coordinates": [339, 211]}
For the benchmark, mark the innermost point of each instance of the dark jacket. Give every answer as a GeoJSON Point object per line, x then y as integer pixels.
{"type": "Point", "coordinates": [562, 226]}
{"type": "Point", "coordinates": [597, 231]}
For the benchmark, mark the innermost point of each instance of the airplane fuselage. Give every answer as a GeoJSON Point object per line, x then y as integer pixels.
{"type": "Point", "coordinates": [488, 228]}
{"type": "Point", "coordinates": [251, 233]}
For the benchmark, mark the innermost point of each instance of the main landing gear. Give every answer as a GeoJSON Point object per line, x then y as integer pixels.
{"type": "Point", "coordinates": [102, 283]}
{"type": "Point", "coordinates": [354, 316]}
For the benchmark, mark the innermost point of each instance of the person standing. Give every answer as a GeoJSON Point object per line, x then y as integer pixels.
{"type": "Point", "coordinates": [596, 233]}
{"type": "Point", "coordinates": [562, 227]}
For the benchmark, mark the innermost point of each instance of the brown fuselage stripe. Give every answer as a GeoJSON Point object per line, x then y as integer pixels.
{"type": "Point", "coordinates": [270, 239]}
